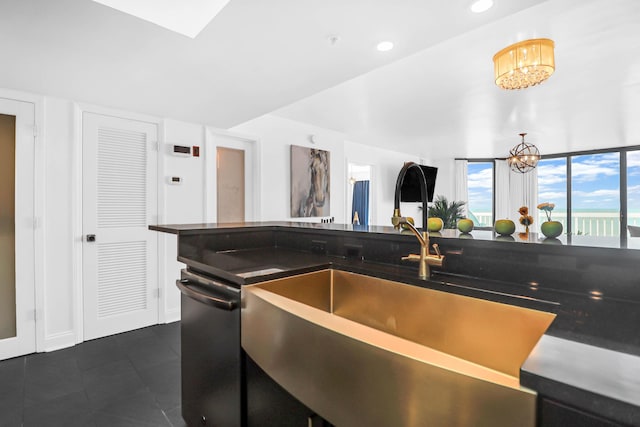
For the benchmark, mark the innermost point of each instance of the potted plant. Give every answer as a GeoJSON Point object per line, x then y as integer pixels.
{"type": "Point", "coordinates": [449, 213]}
{"type": "Point", "coordinates": [549, 228]}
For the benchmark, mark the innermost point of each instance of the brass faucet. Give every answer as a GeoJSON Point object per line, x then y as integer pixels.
{"type": "Point", "coordinates": [425, 258]}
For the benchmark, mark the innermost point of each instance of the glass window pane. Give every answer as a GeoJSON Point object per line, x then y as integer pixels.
{"type": "Point", "coordinates": [633, 190]}
{"type": "Point", "coordinates": [7, 228]}
{"type": "Point", "coordinates": [552, 188]}
{"type": "Point", "coordinates": [480, 188]}
{"type": "Point", "coordinates": [595, 194]}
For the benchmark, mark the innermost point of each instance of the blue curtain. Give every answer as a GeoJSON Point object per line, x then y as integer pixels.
{"type": "Point", "coordinates": [360, 202]}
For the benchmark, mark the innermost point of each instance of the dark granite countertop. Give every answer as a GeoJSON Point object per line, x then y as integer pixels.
{"type": "Point", "coordinates": [588, 377]}
{"type": "Point", "coordinates": [594, 379]}
{"type": "Point", "coordinates": [583, 241]}
{"type": "Point", "coordinates": [249, 266]}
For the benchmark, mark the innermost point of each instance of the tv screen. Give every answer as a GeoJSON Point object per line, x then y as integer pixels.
{"type": "Point", "coordinates": [410, 190]}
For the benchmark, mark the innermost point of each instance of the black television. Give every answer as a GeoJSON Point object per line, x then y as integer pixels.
{"type": "Point", "coordinates": [410, 190]}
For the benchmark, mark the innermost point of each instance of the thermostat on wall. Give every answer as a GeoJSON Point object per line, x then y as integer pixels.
{"type": "Point", "coordinates": [175, 180]}
{"type": "Point", "coordinates": [182, 150]}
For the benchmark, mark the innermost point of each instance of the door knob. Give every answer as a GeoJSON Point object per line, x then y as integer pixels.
{"type": "Point", "coordinates": [91, 237]}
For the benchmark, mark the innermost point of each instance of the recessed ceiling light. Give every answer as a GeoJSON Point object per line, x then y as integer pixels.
{"type": "Point", "coordinates": [480, 6]}
{"type": "Point", "coordinates": [384, 46]}
{"type": "Point", "coordinates": [186, 17]}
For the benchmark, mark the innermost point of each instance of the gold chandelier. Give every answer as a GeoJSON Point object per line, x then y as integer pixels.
{"type": "Point", "coordinates": [526, 63]}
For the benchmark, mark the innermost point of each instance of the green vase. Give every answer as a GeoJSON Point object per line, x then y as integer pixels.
{"type": "Point", "coordinates": [551, 229]}
{"type": "Point", "coordinates": [504, 227]}
{"type": "Point", "coordinates": [434, 224]}
{"type": "Point", "coordinates": [465, 225]}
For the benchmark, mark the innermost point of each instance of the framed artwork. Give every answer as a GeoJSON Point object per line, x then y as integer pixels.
{"type": "Point", "coordinates": [310, 183]}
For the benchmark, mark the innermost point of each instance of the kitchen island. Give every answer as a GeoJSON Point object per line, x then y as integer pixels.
{"type": "Point", "coordinates": [587, 366]}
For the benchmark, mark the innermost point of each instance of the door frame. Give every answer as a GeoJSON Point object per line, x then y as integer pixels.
{"type": "Point", "coordinates": [38, 209]}
{"type": "Point", "coordinates": [372, 187]}
{"type": "Point", "coordinates": [210, 180]}
{"type": "Point", "coordinates": [76, 202]}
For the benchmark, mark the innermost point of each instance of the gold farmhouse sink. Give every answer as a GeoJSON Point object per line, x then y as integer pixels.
{"type": "Point", "coordinates": [360, 350]}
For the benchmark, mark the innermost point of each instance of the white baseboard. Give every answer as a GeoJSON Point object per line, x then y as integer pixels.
{"type": "Point", "coordinates": [172, 316]}
{"type": "Point", "coordinates": [59, 341]}
{"type": "Point", "coordinates": [67, 339]}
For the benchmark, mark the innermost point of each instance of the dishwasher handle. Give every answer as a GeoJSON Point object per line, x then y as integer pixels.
{"type": "Point", "coordinates": [206, 298]}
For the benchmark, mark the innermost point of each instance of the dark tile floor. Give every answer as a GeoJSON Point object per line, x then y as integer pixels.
{"type": "Point", "coordinates": [126, 380]}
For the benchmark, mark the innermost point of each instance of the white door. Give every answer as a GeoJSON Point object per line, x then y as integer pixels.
{"type": "Point", "coordinates": [119, 201]}
{"type": "Point", "coordinates": [17, 280]}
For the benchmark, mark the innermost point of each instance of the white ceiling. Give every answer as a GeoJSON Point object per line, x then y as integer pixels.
{"type": "Point", "coordinates": [443, 102]}
{"type": "Point", "coordinates": [187, 17]}
{"type": "Point", "coordinates": [433, 95]}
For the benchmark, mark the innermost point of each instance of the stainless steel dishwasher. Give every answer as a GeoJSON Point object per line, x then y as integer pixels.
{"type": "Point", "coordinates": [212, 389]}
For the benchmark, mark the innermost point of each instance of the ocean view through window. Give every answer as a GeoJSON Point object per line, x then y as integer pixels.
{"type": "Point", "coordinates": [552, 188]}
{"type": "Point", "coordinates": [595, 194]}
{"type": "Point", "coordinates": [601, 195]}
{"type": "Point", "coordinates": [480, 193]}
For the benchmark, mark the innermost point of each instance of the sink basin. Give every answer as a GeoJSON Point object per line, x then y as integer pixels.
{"type": "Point", "coordinates": [361, 350]}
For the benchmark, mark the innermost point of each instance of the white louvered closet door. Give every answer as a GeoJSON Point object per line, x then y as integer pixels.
{"type": "Point", "coordinates": [119, 192]}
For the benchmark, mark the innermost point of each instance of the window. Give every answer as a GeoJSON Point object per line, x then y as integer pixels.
{"type": "Point", "coordinates": [596, 193]}
{"type": "Point", "coordinates": [552, 188]}
{"type": "Point", "coordinates": [480, 193]}
{"type": "Point", "coordinates": [633, 191]}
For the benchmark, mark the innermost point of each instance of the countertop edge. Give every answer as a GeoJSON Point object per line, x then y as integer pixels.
{"type": "Point", "coordinates": [481, 236]}
{"type": "Point", "coordinates": [590, 378]}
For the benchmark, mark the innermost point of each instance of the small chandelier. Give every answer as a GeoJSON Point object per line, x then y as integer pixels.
{"type": "Point", "coordinates": [526, 63]}
{"type": "Point", "coordinates": [523, 157]}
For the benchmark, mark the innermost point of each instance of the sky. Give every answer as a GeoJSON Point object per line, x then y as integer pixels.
{"type": "Point", "coordinates": [595, 182]}
{"type": "Point", "coordinates": [480, 186]}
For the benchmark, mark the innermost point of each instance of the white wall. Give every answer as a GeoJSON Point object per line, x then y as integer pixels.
{"type": "Point", "coordinates": [445, 182]}
{"type": "Point", "coordinates": [193, 201]}
{"type": "Point", "coordinates": [271, 137]}
{"type": "Point", "coordinates": [277, 134]}
{"type": "Point", "coordinates": [385, 165]}
{"type": "Point", "coordinates": [178, 204]}
{"type": "Point", "coordinates": [183, 202]}
{"type": "Point", "coordinates": [61, 287]}
{"type": "Point", "coordinates": [59, 302]}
